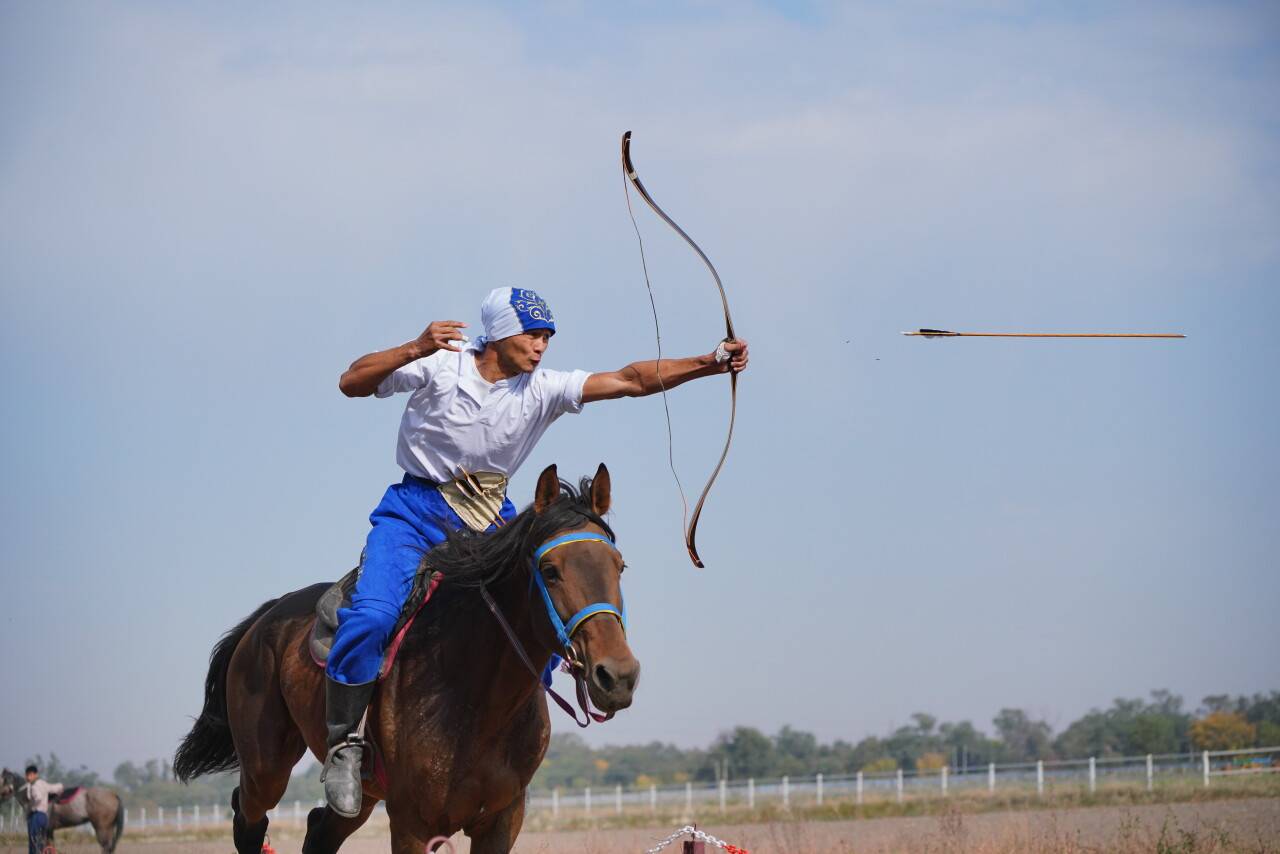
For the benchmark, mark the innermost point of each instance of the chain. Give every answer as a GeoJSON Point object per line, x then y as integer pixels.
{"type": "Point", "coordinates": [672, 838]}
{"type": "Point", "coordinates": [699, 835]}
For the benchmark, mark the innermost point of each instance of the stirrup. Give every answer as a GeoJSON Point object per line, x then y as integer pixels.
{"type": "Point", "coordinates": [352, 740]}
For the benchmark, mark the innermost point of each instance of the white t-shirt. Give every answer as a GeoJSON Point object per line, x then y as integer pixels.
{"type": "Point", "coordinates": [455, 417]}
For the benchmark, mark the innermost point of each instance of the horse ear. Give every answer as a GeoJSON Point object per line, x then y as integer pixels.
{"type": "Point", "coordinates": [600, 491]}
{"type": "Point", "coordinates": [547, 490]}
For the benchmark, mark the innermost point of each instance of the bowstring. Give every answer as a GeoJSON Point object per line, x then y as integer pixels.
{"type": "Point", "coordinates": [657, 334]}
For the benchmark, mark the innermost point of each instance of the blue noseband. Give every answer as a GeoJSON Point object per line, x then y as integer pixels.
{"type": "Point", "coordinates": [565, 630]}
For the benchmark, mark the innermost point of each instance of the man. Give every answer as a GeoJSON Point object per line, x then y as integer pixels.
{"type": "Point", "coordinates": [37, 794]}
{"type": "Point", "coordinates": [474, 414]}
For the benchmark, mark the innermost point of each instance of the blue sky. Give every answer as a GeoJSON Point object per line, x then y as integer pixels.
{"type": "Point", "coordinates": [207, 211]}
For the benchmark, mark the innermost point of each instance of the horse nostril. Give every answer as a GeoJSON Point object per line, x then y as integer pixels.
{"type": "Point", "coordinates": [604, 678]}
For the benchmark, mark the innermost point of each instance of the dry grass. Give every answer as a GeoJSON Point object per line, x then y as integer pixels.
{"type": "Point", "coordinates": [1058, 836]}
{"type": "Point", "coordinates": [1246, 827]}
{"type": "Point", "coordinates": [1239, 826]}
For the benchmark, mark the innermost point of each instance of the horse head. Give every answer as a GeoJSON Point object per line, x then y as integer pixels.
{"type": "Point", "coordinates": [8, 784]}
{"type": "Point", "coordinates": [579, 570]}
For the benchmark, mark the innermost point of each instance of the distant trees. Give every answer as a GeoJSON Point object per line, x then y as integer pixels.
{"type": "Point", "coordinates": [797, 752]}
{"type": "Point", "coordinates": [54, 771]}
{"type": "Point", "coordinates": [1129, 727]}
{"type": "Point", "coordinates": [967, 747]}
{"type": "Point", "coordinates": [132, 777]}
{"type": "Point", "coordinates": [1021, 738]}
{"type": "Point", "coordinates": [931, 763]}
{"type": "Point", "coordinates": [1223, 731]}
{"type": "Point", "coordinates": [1260, 710]}
{"type": "Point", "coordinates": [747, 752]}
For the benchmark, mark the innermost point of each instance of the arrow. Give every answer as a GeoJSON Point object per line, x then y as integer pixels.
{"type": "Point", "coordinates": [942, 333]}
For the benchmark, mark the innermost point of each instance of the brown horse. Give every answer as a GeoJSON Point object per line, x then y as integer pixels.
{"type": "Point", "coordinates": [94, 805]}
{"type": "Point", "coordinates": [460, 723]}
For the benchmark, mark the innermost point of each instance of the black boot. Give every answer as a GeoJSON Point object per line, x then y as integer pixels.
{"type": "Point", "coordinates": [344, 708]}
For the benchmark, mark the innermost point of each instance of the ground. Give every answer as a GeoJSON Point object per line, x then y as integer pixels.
{"type": "Point", "coordinates": [1250, 825]}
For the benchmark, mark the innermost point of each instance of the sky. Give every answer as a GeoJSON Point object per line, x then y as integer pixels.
{"type": "Point", "coordinates": [207, 211]}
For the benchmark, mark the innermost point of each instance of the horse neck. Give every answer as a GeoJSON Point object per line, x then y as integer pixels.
{"type": "Point", "coordinates": [487, 666]}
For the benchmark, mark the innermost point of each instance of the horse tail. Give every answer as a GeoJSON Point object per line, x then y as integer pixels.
{"type": "Point", "coordinates": [208, 748]}
{"type": "Point", "coordinates": [115, 837]}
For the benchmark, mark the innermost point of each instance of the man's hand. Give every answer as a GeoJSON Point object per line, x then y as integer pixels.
{"type": "Point", "coordinates": [734, 354]}
{"type": "Point", "coordinates": [367, 372]}
{"type": "Point", "coordinates": [437, 337]}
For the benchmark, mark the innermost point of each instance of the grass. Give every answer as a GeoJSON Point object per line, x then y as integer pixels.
{"type": "Point", "coordinates": [958, 825]}
{"type": "Point", "coordinates": [1132, 837]}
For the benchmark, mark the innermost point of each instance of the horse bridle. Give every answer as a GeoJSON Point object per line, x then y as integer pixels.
{"type": "Point", "coordinates": [564, 629]}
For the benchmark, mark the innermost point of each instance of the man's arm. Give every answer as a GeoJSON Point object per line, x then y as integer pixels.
{"type": "Point", "coordinates": [367, 373]}
{"type": "Point", "coordinates": [54, 788]}
{"type": "Point", "coordinates": [641, 378]}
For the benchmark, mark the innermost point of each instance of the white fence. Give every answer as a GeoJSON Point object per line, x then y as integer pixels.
{"type": "Point", "coordinates": [690, 799]}
{"type": "Point", "coordinates": [1044, 777]}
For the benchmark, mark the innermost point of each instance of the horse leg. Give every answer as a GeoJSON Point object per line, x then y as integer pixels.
{"type": "Point", "coordinates": [262, 785]}
{"type": "Point", "coordinates": [326, 830]}
{"type": "Point", "coordinates": [106, 835]}
{"type": "Point", "coordinates": [103, 811]}
{"type": "Point", "coordinates": [267, 741]}
{"type": "Point", "coordinates": [247, 835]}
{"type": "Point", "coordinates": [117, 825]}
{"type": "Point", "coordinates": [407, 841]}
{"type": "Point", "coordinates": [264, 776]}
{"type": "Point", "coordinates": [498, 833]}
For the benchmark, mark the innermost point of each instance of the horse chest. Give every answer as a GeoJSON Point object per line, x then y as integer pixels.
{"type": "Point", "coordinates": [451, 796]}
{"type": "Point", "coordinates": [461, 784]}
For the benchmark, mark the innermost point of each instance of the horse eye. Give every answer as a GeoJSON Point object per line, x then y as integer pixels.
{"type": "Point", "coordinates": [550, 573]}
{"type": "Point", "coordinates": [624, 568]}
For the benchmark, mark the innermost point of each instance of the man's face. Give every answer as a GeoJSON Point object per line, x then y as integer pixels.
{"type": "Point", "coordinates": [31, 776]}
{"type": "Point", "coordinates": [523, 352]}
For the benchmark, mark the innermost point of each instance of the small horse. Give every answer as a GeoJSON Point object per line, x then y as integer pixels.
{"type": "Point", "coordinates": [459, 724]}
{"type": "Point", "coordinates": [94, 805]}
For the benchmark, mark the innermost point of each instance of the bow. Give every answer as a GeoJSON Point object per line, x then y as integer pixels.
{"type": "Point", "coordinates": [691, 521]}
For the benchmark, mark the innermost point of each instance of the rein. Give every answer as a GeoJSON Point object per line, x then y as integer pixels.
{"type": "Point", "coordinates": [564, 629]}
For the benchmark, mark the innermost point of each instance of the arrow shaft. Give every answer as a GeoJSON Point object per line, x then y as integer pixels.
{"type": "Point", "coordinates": [942, 334]}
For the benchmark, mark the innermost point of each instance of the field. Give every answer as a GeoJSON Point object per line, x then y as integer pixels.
{"type": "Point", "coordinates": [1233, 825]}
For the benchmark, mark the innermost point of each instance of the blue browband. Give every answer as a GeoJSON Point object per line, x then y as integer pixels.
{"type": "Point", "coordinates": [564, 631]}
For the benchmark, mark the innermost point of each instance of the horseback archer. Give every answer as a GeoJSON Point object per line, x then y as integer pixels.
{"type": "Point", "coordinates": [454, 732]}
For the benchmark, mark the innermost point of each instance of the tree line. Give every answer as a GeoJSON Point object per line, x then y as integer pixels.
{"type": "Point", "coordinates": [1129, 727]}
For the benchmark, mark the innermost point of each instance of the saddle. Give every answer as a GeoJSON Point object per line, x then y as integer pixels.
{"type": "Point", "coordinates": [338, 596]}
{"type": "Point", "coordinates": [68, 795]}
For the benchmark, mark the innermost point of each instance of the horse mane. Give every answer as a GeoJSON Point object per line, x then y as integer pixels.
{"type": "Point", "coordinates": [469, 559]}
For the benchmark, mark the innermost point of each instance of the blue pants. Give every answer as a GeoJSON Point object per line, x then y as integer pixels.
{"type": "Point", "coordinates": [37, 829]}
{"type": "Point", "coordinates": [411, 519]}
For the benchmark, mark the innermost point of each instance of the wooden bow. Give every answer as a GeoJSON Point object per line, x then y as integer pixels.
{"type": "Point", "coordinates": [691, 521]}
